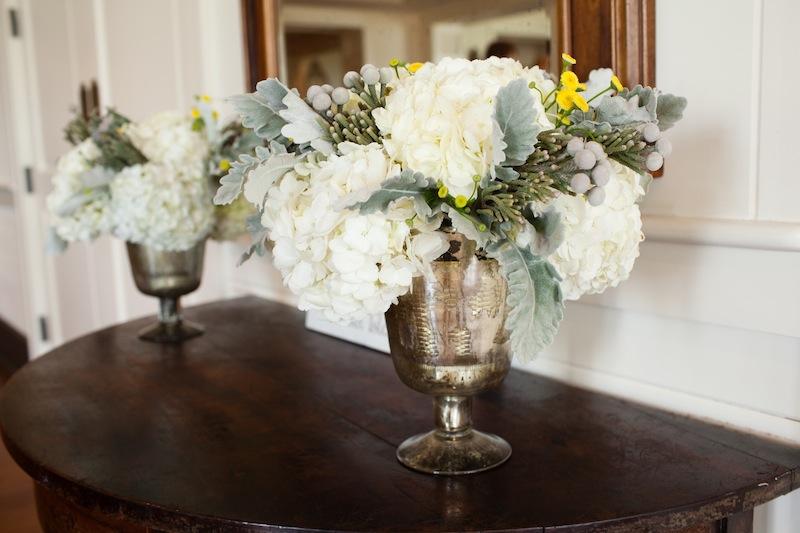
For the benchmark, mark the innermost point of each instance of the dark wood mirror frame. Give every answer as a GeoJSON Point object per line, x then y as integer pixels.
{"type": "Point", "coordinates": [603, 33]}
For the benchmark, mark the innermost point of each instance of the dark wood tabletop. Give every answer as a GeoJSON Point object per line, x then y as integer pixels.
{"type": "Point", "coordinates": [260, 424]}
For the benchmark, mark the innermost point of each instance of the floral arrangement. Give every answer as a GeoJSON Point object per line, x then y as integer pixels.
{"type": "Point", "coordinates": [359, 183]}
{"type": "Point", "coordinates": [148, 182]}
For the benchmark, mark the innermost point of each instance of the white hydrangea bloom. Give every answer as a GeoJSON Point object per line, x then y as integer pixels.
{"type": "Point", "coordinates": [87, 220]}
{"type": "Point", "coordinates": [345, 264]}
{"type": "Point", "coordinates": [599, 80]}
{"type": "Point", "coordinates": [439, 121]}
{"type": "Point", "coordinates": [165, 203]}
{"type": "Point", "coordinates": [601, 243]}
{"type": "Point", "coordinates": [163, 206]}
{"type": "Point", "coordinates": [167, 137]}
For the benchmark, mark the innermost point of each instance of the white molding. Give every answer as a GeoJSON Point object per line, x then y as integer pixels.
{"type": "Point", "coordinates": [755, 108]}
{"type": "Point", "coordinates": [753, 234]}
{"type": "Point", "coordinates": [743, 419]}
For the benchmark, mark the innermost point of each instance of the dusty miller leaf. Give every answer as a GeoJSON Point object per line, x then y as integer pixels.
{"type": "Point", "coordinates": [303, 124]}
{"type": "Point", "coordinates": [670, 110]}
{"type": "Point", "coordinates": [258, 237]}
{"type": "Point", "coordinates": [408, 184]}
{"type": "Point", "coordinates": [258, 115]}
{"type": "Point", "coordinates": [54, 244]}
{"type": "Point", "coordinates": [232, 183]}
{"type": "Point", "coordinates": [261, 178]}
{"type": "Point", "coordinates": [516, 116]}
{"type": "Point", "coordinates": [535, 305]}
{"type": "Point", "coordinates": [506, 173]}
{"type": "Point", "coordinates": [648, 99]}
{"type": "Point", "coordinates": [548, 231]}
{"type": "Point", "coordinates": [272, 91]}
{"type": "Point", "coordinates": [617, 111]}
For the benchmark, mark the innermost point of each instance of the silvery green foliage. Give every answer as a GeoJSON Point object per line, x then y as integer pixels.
{"type": "Point", "coordinates": [408, 184]}
{"type": "Point", "coordinates": [261, 180]}
{"type": "Point", "coordinates": [618, 111]}
{"type": "Point", "coordinates": [669, 110]}
{"type": "Point", "coordinates": [97, 177]}
{"type": "Point", "coordinates": [516, 124]}
{"type": "Point", "coordinates": [79, 199]}
{"type": "Point", "coordinates": [304, 125]}
{"type": "Point", "coordinates": [258, 236]}
{"type": "Point", "coordinates": [504, 174]}
{"type": "Point", "coordinates": [94, 186]}
{"type": "Point", "coordinates": [231, 184]}
{"type": "Point", "coordinates": [647, 99]}
{"type": "Point", "coordinates": [467, 225]}
{"type": "Point", "coordinates": [260, 110]}
{"type": "Point", "coordinates": [549, 231]}
{"type": "Point", "coordinates": [54, 244]}
{"type": "Point", "coordinates": [534, 298]}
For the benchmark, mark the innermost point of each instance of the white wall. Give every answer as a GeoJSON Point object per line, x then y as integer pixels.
{"type": "Point", "coordinates": [147, 56]}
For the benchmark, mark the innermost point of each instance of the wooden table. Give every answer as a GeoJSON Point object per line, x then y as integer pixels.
{"type": "Point", "coordinates": [260, 424]}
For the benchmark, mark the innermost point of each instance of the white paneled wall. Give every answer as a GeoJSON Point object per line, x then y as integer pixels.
{"type": "Point", "coordinates": [146, 56]}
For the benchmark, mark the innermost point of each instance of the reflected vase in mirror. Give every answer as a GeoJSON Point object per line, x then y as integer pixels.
{"type": "Point", "coordinates": [448, 339]}
{"type": "Point", "coordinates": [168, 275]}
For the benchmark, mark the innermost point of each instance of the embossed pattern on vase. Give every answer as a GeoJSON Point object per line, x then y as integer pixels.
{"type": "Point", "coordinates": [448, 335]}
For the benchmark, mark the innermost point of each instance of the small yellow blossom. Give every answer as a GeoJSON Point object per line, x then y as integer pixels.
{"type": "Point", "coordinates": [442, 192]}
{"type": "Point", "coordinates": [616, 83]}
{"type": "Point", "coordinates": [205, 98]}
{"type": "Point", "coordinates": [413, 67]}
{"type": "Point", "coordinates": [195, 113]}
{"type": "Point", "coordinates": [568, 99]}
{"type": "Point", "coordinates": [394, 62]}
{"type": "Point", "coordinates": [461, 201]}
{"type": "Point", "coordinates": [568, 58]}
{"type": "Point", "coordinates": [224, 164]}
{"type": "Point", "coordinates": [570, 80]}
{"type": "Point", "coordinates": [215, 114]}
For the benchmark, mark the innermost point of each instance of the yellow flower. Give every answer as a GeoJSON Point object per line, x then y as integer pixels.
{"type": "Point", "coordinates": [580, 102]}
{"type": "Point", "coordinates": [461, 201]}
{"type": "Point", "coordinates": [215, 115]}
{"type": "Point", "coordinates": [568, 58]}
{"type": "Point", "coordinates": [616, 83]}
{"type": "Point", "coordinates": [570, 80]}
{"type": "Point", "coordinates": [205, 98]}
{"type": "Point", "coordinates": [195, 113]}
{"type": "Point", "coordinates": [442, 192]}
{"type": "Point", "coordinates": [568, 99]}
{"type": "Point", "coordinates": [394, 62]}
{"type": "Point", "coordinates": [413, 67]}
{"type": "Point", "coordinates": [224, 164]}
{"type": "Point", "coordinates": [566, 121]}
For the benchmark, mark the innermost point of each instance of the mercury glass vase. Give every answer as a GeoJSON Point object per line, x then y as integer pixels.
{"type": "Point", "coordinates": [448, 340]}
{"type": "Point", "coordinates": [168, 276]}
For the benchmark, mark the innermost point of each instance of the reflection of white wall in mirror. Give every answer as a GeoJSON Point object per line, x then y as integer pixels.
{"type": "Point", "coordinates": [385, 34]}
{"type": "Point", "coordinates": [459, 39]}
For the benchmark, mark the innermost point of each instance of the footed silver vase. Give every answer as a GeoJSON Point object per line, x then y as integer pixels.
{"type": "Point", "coordinates": [168, 276]}
{"type": "Point", "coordinates": [448, 339]}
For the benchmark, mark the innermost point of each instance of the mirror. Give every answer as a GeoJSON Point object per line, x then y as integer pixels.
{"type": "Point", "coordinates": [320, 41]}
{"type": "Point", "coordinates": [307, 42]}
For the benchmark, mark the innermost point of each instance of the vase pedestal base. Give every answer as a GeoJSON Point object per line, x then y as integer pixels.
{"type": "Point", "coordinates": [438, 452]}
{"type": "Point", "coordinates": [171, 333]}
